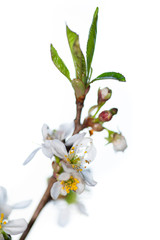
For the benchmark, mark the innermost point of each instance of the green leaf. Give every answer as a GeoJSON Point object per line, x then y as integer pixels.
{"type": "Point", "coordinates": [110, 75]}
{"type": "Point", "coordinates": [77, 55]}
{"type": "Point", "coordinates": [91, 41]}
{"type": "Point", "coordinates": [58, 62]}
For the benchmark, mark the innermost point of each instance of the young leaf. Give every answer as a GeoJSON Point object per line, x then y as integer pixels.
{"type": "Point", "coordinates": [58, 62]}
{"type": "Point", "coordinates": [91, 41]}
{"type": "Point", "coordinates": [77, 55]}
{"type": "Point", "coordinates": [110, 75]}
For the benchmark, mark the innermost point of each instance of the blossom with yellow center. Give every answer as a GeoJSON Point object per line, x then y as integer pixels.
{"type": "Point", "coordinates": [11, 227]}
{"type": "Point", "coordinates": [69, 180]}
{"type": "Point", "coordinates": [70, 185]}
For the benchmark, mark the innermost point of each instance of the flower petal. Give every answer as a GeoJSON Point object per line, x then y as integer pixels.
{"type": "Point", "coordinates": [31, 156]}
{"type": "Point", "coordinates": [67, 128]}
{"type": "Point", "coordinates": [81, 207]}
{"type": "Point", "coordinates": [46, 131]}
{"type": "Point", "coordinates": [88, 178]}
{"type": "Point", "coordinates": [22, 204]}
{"type": "Point", "coordinates": [5, 209]}
{"type": "Point", "coordinates": [91, 153]}
{"type": "Point", "coordinates": [68, 169]}
{"type": "Point", "coordinates": [47, 149]}
{"type": "Point", "coordinates": [1, 237]}
{"type": "Point", "coordinates": [63, 192]}
{"type": "Point", "coordinates": [64, 176]}
{"type": "Point", "coordinates": [59, 148]}
{"type": "Point", "coordinates": [64, 215]}
{"type": "Point", "coordinates": [80, 187]}
{"type": "Point", "coordinates": [3, 195]}
{"type": "Point", "coordinates": [15, 226]}
{"type": "Point", "coordinates": [75, 139]}
{"type": "Point", "coordinates": [55, 190]}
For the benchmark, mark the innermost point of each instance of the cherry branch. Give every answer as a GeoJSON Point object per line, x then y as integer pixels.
{"type": "Point", "coordinates": [46, 196]}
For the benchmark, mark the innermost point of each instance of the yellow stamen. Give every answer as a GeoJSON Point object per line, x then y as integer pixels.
{"type": "Point", "coordinates": [70, 185]}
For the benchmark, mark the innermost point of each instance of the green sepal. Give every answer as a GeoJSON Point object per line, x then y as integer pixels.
{"type": "Point", "coordinates": [79, 87]}
{"type": "Point", "coordinates": [6, 236]}
{"type": "Point", "coordinates": [58, 62]}
{"type": "Point", "coordinates": [77, 55]}
{"type": "Point", "coordinates": [57, 159]}
{"type": "Point", "coordinates": [71, 197]}
{"type": "Point", "coordinates": [110, 75]}
{"type": "Point", "coordinates": [91, 41]}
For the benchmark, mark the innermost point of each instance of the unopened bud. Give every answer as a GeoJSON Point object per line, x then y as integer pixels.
{"type": "Point", "coordinates": [97, 127]}
{"type": "Point", "coordinates": [103, 95]}
{"type": "Point", "coordinates": [119, 142]}
{"type": "Point", "coordinates": [105, 116]}
{"type": "Point", "coordinates": [113, 111]}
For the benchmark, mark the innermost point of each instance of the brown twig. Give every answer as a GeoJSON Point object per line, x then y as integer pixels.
{"type": "Point", "coordinates": [78, 125]}
{"type": "Point", "coordinates": [45, 199]}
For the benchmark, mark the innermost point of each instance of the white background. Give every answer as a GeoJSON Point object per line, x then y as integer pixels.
{"type": "Point", "coordinates": [125, 204]}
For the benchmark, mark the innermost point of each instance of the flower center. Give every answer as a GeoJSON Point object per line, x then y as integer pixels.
{"type": "Point", "coordinates": [2, 222]}
{"type": "Point", "coordinates": [70, 185]}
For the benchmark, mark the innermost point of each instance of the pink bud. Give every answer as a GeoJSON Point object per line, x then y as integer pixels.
{"type": "Point", "coordinates": [105, 116]}
{"type": "Point", "coordinates": [104, 94]}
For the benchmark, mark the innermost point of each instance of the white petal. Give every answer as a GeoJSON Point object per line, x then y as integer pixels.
{"type": "Point", "coordinates": [1, 237]}
{"type": "Point", "coordinates": [84, 142]}
{"type": "Point", "coordinates": [64, 176]}
{"type": "Point", "coordinates": [88, 178]}
{"type": "Point", "coordinates": [63, 217]}
{"type": "Point", "coordinates": [63, 192]}
{"type": "Point", "coordinates": [81, 207]}
{"type": "Point", "coordinates": [91, 153]}
{"type": "Point", "coordinates": [67, 169]}
{"type": "Point", "coordinates": [59, 148]}
{"type": "Point", "coordinates": [5, 209]}
{"type": "Point", "coordinates": [60, 135]}
{"type": "Point", "coordinates": [15, 226]}
{"type": "Point", "coordinates": [3, 195]}
{"type": "Point", "coordinates": [46, 131]}
{"type": "Point", "coordinates": [23, 204]}
{"type": "Point", "coordinates": [31, 156]}
{"type": "Point", "coordinates": [75, 139]}
{"type": "Point", "coordinates": [67, 128]}
{"type": "Point", "coordinates": [55, 190]}
{"type": "Point", "coordinates": [46, 149]}
{"type": "Point", "coordinates": [80, 188]}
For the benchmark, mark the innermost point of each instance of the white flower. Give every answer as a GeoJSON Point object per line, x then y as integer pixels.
{"type": "Point", "coordinates": [48, 136]}
{"type": "Point", "coordinates": [13, 227]}
{"type": "Point", "coordinates": [119, 142]}
{"type": "Point", "coordinates": [69, 180]}
{"type": "Point", "coordinates": [6, 208]}
{"type": "Point", "coordinates": [80, 155]}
